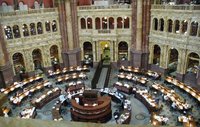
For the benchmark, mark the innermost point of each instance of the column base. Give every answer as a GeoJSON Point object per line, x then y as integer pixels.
{"type": "Point", "coordinates": [6, 75]}
{"type": "Point", "coordinates": [123, 63]}
{"type": "Point", "coordinates": [72, 57]}
{"type": "Point", "coordinates": [180, 77]}
{"type": "Point", "coordinates": [139, 59]}
{"type": "Point", "coordinates": [114, 65]}
{"type": "Point", "coordinates": [158, 69]}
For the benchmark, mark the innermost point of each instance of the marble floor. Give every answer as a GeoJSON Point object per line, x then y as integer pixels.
{"type": "Point", "coordinates": [140, 114]}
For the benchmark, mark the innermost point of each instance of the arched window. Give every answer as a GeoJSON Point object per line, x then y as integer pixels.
{"type": "Point", "coordinates": [37, 58]}
{"type": "Point", "coordinates": [155, 24]}
{"type": "Point", "coordinates": [54, 56]}
{"type": "Point", "coordinates": [123, 50]}
{"type": "Point", "coordinates": [16, 31]}
{"type": "Point", "coordinates": [83, 23]}
{"type": "Point", "coordinates": [54, 52]}
{"type": "Point", "coordinates": [88, 54]}
{"type": "Point", "coordinates": [184, 27]}
{"type": "Point", "coordinates": [89, 23]}
{"type": "Point", "coordinates": [156, 55]}
{"type": "Point", "coordinates": [119, 22]}
{"type": "Point", "coordinates": [47, 26]}
{"type": "Point", "coordinates": [97, 23]}
{"type": "Point", "coordinates": [104, 23]}
{"type": "Point", "coordinates": [193, 61]}
{"type": "Point", "coordinates": [161, 24]}
{"type": "Point", "coordinates": [54, 26]}
{"type": "Point", "coordinates": [111, 23]}
{"type": "Point", "coordinates": [170, 23]}
{"type": "Point", "coordinates": [39, 28]}
{"type": "Point", "coordinates": [177, 26]}
{"type": "Point", "coordinates": [25, 30]}
{"type": "Point", "coordinates": [18, 63]}
{"type": "Point", "coordinates": [126, 22]}
{"type": "Point", "coordinates": [32, 29]}
{"type": "Point", "coordinates": [173, 60]}
{"type": "Point", "coordinates": [194, 28]}
{"type": "Point", "coordinates": [8, 32]}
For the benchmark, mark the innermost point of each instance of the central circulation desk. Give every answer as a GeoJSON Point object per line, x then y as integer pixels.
{"type": "Point", "coordinates": [96, 112]}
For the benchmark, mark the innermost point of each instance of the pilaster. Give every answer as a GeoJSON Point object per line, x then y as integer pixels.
{"type": "Point", "coordinates": [6, 75]}
{"type": "Point", "coordinates": [93, 51]}
{"type": "Point", "coordinates": [28, 60]}
{"type": "Point", "coordinates": [72, 57]}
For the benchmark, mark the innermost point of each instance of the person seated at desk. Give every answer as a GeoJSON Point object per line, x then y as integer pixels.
{"type": "Point", "coordinates": [116, 114]}
{"type": "Point", "coordinates": [63, 98]}
{"type": "Point", "coordinates": [6, 111]}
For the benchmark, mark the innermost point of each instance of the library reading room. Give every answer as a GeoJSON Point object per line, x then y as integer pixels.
{"type": "Point", "coordinates": [105, 63]}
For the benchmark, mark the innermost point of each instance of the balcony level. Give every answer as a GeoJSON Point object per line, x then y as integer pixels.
{"type": "Point", "coordinates": [176, 24]}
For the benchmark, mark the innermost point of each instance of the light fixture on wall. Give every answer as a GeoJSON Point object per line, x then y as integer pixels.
{"type": "Point", "coordinates": [106, 45]}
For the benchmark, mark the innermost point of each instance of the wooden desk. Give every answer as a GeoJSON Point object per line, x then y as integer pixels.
{"type": "Point", "coordinates": [147, 100]}
{"type": "Point", "coordinates": [131, 77]}
{"type": "Point", "coordinates": [174, 97]}
{"type": "Point", "coordinates": [71, 77]}
{"type": "Point", "coordinates": [123, 87]}
{"type": "Point", "coordinates": [130, 69]}
{"type": "Point", "coordinates": [45, 98]}
{"type": "Point", "coordinates": [192, 91]}
{"type": "Point", "coordinates": [158, 120]}
{"type": "Point", "coordinates": [75, 86]}
{"type": "Point", "coordinates": [66, 70]}
{"type": "Point", "coordinates": [97, 113]}
{"type": "Point", "coordinates": [188, 121]}
{"type": "Point", "coordinates": [18, 98]}
{"type": "Point", "coordinates": [17, 85]}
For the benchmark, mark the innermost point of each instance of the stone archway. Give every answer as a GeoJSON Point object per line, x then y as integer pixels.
{"type": "Point", "coordinates": [104, 50]}
{"type": "Point", "coordinates": [37, 59]}
{"type": "Point", "coordinates": [172, 61]}
{"type": "Point", "coordinates": [18, 63]}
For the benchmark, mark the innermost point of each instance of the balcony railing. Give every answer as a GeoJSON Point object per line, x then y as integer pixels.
{"type": "Point", "coordinates": [29, 40]}
{"type": "Point", "coordinates": [118, 6]}
{"type": "Point", "coordinates": [176, 7]}
{"type": "Point", "coordinates": [30, 11]}
{"type": "Point", "coordinates": [107, 32]}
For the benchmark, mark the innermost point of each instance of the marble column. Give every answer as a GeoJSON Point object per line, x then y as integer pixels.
{"type": "Point", "coordinates": [198, 30]}
{"type": "Point", "coordinates": [173, 26]}
{"type": "Point", "coordinates": [75, 23]}
{"type": "Point", "coordinates": [28, 60]}
{"type": "Point", "coordinates": [139, 25]}
{"type": "Point", "coordinates": [163, 57]}
{"type": "Point", "coordinates": [182, 65]}
{"type": "Point", "coordinates": [111, 51]}
{"type": "Point", "coordinates": [21, 31]}
{"type": "Point", "coordinates": [69, 24]}
{"type": "Point", "coordinates": [180, 27]}
{"type": "Point", "coordinates": [198, 76]}
{"type": "Point", "coordinates": [188, 28]}
{"type": "Point", "coordinates": [139, 48]}
{"type": "Point", "coordinates": [94, 50]}
{"type": "Point", "coordinates": [44, 27]}
{"type": "Point", "coordinates": [151, 49]}
{"type": "Point", "coordinates": [6, 71]}
{"type": "Point", "coordinates": [93, 23]}
{"type": "Point", "coordinates": [63, 29]}
{"type": "Point", "coordinates": [166, 25]}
